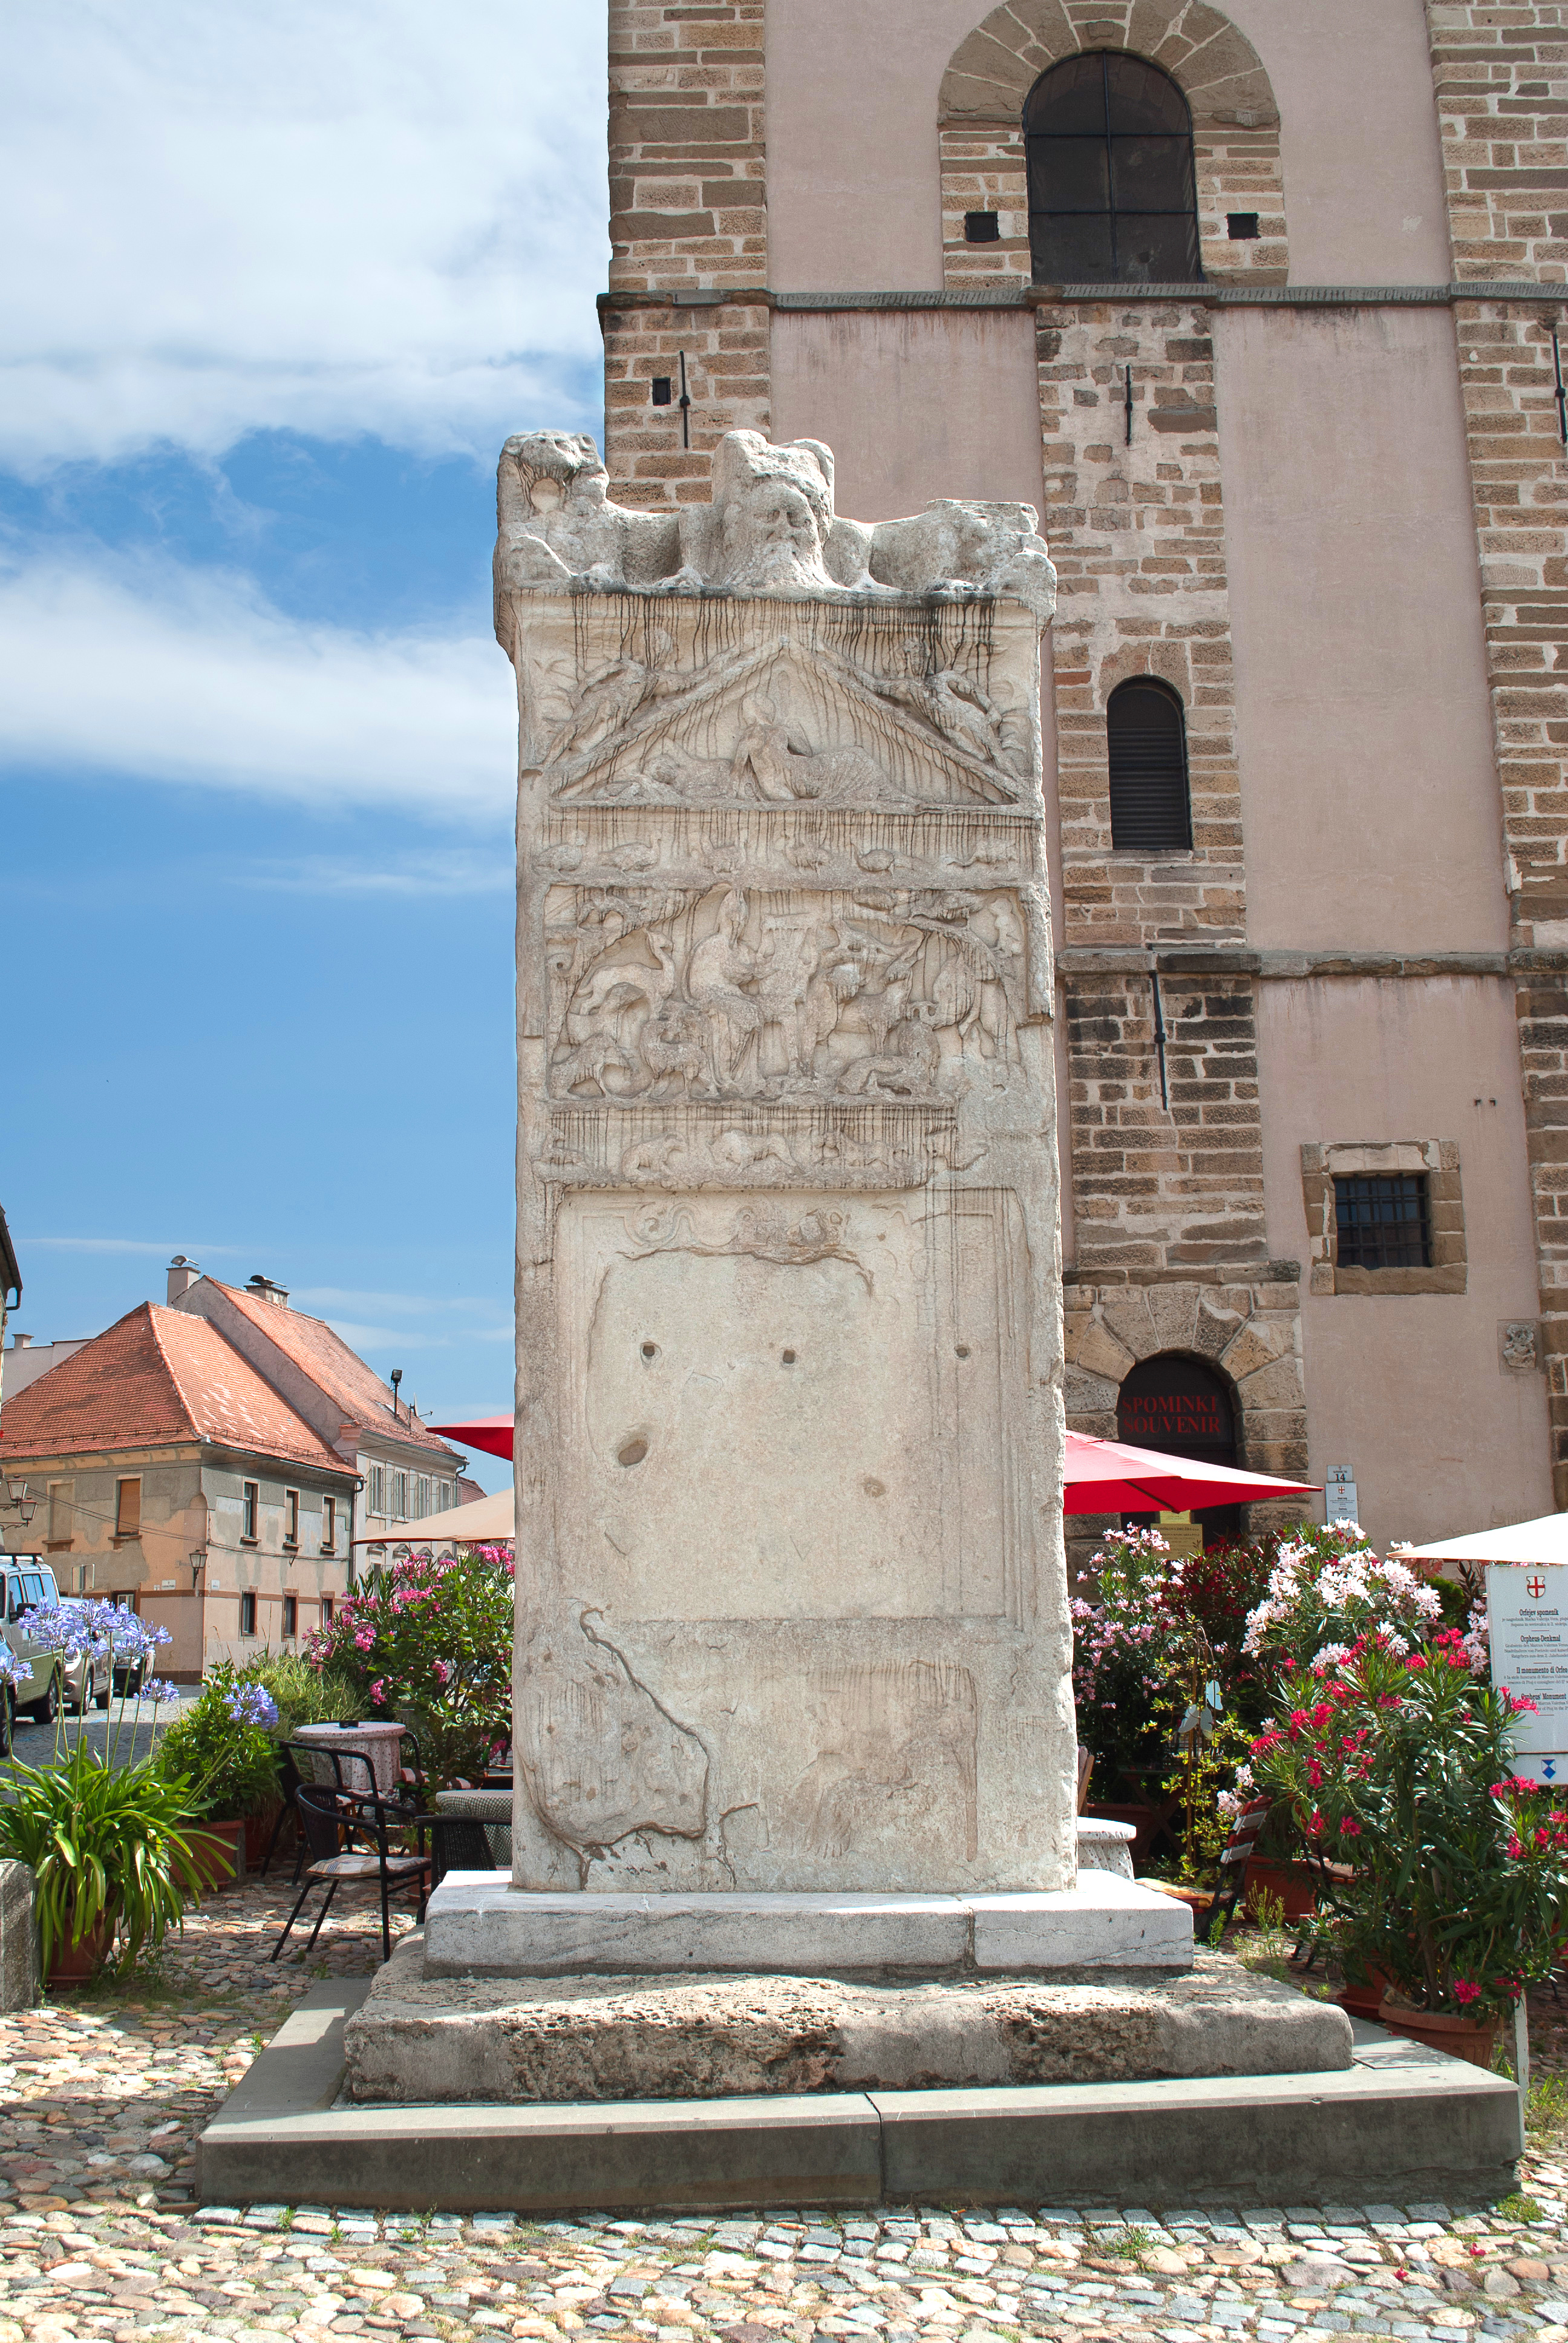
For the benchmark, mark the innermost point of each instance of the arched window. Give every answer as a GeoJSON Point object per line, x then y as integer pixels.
{"type": "Point", "coordinates": [1113, 198]}
{"type": "Point", "coordinates": [1148, 735]}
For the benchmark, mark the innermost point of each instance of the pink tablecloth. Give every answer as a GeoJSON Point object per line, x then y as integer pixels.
{"type": "Point", "coordinates": [378, 1744]}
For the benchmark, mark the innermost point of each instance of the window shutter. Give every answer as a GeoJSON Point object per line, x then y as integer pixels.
{"type": "Point", "coordinates": [1147, 736]}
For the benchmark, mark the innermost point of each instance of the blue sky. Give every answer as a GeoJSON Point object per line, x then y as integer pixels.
{"type": "Point", "coordinates": [281, 281]}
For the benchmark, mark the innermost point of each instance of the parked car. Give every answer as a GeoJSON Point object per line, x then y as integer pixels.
{"type": "Point", "coordinates": [30, 1586]}
{"type": "Point", "coordinates": [8, 1712]}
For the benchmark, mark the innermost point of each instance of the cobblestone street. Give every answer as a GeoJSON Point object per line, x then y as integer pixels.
{"type": "Point", "coordinates": [100, 2235]}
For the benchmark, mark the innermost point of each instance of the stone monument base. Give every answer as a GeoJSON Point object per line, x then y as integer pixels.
{"type": "Point", "coordinates": [419, 2038]}
{"type": "Point", "coordinates": [478, 1925]}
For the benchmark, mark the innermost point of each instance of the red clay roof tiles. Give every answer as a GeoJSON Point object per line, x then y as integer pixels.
{"type": "Point", "coordinates": [156, 1378]}
{"type": "Point", "coordinates": [332, 1367]}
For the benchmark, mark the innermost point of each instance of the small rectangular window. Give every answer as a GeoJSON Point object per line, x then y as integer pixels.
{"type": "Point", "coordinates": [248, 1614]}
{"type": "Point", "coordinates": [400, 1496]}
{"type": "Point", "coordinates": [290, 1616]}
{"type": "Point", "coordinates": [60, 1510]}
{"type": "Point", "coordinates": [250, 1511]}
{"type": "Point", "coordinates": [982, 227]}
{"type": "Point", "coordinates": [376, 1498]}
{"type": "Point", "coordinates": [1241, 228]}
{"type": "Point", "coordinates": [328, 1523]}
{"type": "Point", "coordinates": [128, 1510]}
{"type": "Point", "coordinates": [291, 1517]}
{"type": "Point", "coordinates": [1383, 1220]}
{"type": "Point", "coordinates": [422, 1498]}
{"type": "Point", "coordinates": [327, 1608]}
{"type": "Point", "coordinates": [662, 386]}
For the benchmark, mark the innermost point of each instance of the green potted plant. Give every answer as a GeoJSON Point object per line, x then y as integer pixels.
{"type": "Point", "coordinates": [1397, 1762]}
{"type": "Point", "coordinates": [110, 1847]}
{"type": "Point", "coordinates": [222, 1745]}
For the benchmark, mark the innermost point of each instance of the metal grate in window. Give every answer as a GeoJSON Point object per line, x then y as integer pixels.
{"type": "Point", "coordinates": [1113, 194]}
{"type": "Point", "coordinates": [1383, 1220]}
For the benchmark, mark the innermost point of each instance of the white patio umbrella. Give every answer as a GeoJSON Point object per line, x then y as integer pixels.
{"type": "Point", "coordinates": [1543, 1540]}
{"type": "Point", "coordinates": [488, 1521]}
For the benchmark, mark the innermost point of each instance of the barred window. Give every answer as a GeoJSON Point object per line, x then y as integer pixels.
{"type": "Point", "coordinates": [1383, 1220]}
{"type": "Point", "coordinates": [1113, 197]}
{"type": "Point", "coordinates": [1146, 731]}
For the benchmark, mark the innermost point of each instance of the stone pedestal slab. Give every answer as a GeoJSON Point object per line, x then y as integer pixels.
{"type": "Point", "coordinates": [477, 1925]}
{"type": "Point", "coordinates": [533, 2041]}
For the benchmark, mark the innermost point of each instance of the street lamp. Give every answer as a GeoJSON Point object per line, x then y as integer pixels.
{"type": "Point", "coordinates": [15, 1490]}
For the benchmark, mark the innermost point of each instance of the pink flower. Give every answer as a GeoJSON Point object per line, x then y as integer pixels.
{"type": "Point", "coordinates": [443, 1673]}
{"type": "Point", "coordinates": [1351, 1828]}
{"type": "Point", "coordinates": [1464, 1991]}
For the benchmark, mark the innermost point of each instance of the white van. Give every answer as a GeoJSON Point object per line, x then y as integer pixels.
{"type": "Point", "coordinates": [30, 1586]}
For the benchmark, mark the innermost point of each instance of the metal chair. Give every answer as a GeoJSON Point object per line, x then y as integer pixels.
{"type": "Point", "coordinates": [1209, 1904]}
{"type": "Point", "coordinates": [457, 1843]}
{"type": "Point", "coordinates": [329, 1822]}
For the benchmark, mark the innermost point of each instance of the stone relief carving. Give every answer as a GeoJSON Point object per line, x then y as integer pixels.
{"type": "Point", "coordinates": [895, 1744]}
{"type": "Point", "coordinates": [766, 1232]}
{"type": "Point", "coordinates": [790, 724]}
{"type": "Point", "coordinates": [1519, 1344]}
{"type": "Point", "coordinates": [906, 994]}
{"type": "Point", "coordinates": [770, 528]}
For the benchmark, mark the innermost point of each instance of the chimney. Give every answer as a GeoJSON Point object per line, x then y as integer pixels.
{"type": "Point", "coordinates": [265, 1290]}
{"type": "Point", "coordinates": [21, 1341]}
{"type": "Point", "coordinates": [183, 1275]}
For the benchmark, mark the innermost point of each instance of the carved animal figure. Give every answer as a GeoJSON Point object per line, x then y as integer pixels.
{"type": "Point", "coordinates": [589, 1062]}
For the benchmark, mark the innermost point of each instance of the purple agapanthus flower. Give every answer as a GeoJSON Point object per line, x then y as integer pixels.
{"type": "Point", "coordinates": [252, 1704]}
{"type": "Point", "coordinates": [160, 1692]}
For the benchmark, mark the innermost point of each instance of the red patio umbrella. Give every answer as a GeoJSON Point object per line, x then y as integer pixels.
{"type": "Point", "coordinates": [1103, 1476]}
{"type": "Point", "coordinates": [493, 1433]}
{"type": "Point", "coordinates": [1106, 1476]}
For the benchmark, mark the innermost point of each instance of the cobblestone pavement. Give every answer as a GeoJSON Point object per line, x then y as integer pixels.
{"type": "Point", "coordinates": [105, 2092]}
{"type": "Point", "coordinates": [36, 1744]}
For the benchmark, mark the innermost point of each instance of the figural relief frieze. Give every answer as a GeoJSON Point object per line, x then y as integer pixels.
{"type": "Point", "coordinates": [906, 993]}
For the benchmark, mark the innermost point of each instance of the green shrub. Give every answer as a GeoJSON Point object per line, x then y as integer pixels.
{"type": "Point", "coordinates": [302, 1694]}
{"type": "Point", "coordinates": [105, 1843]}
{"type": "Point", "coordinates": [221, 1747]}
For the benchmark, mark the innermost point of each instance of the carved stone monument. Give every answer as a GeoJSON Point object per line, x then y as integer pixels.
{"type": "Point", "coordinates": [792, 1676]}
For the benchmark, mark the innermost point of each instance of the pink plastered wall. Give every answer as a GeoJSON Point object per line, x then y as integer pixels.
{"type": "Point", "coordinates": [853, 191]}
{"type": "Point", "coordinates": [1408, 1389]}
{"type": "Point", "coordinates": [1369, 793]}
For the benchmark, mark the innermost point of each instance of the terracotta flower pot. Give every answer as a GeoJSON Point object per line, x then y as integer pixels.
{"type": "Point", "coordinates": [1472, 2038]}
{"type": "Point", "coordinates": [1365, 2000]}
{"type": "Point", "coordinates": [218, 1851]}
{"type": "Point", "coordinates": [258, 1829]}
{"type": "Point", "coordinates": [1294, 1884]}
{"type": "Point", "coordinates": [78, 1964]}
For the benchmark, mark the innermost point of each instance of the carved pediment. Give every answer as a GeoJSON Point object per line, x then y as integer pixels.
{"type": "Point", "coordinates": [782, 725]}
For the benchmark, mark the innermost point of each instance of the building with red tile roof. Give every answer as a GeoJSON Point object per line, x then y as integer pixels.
{"type": "Point", "coordinates": [212, 1460]}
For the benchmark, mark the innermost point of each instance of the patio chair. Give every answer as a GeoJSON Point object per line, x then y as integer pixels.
{"type": "Point", "coordinates": [1085, 1768]}
{"type": "Point", "coordinates": [288, 1781]}
{"type": "Point", "coordinates": [458, 1843]}
{"type": "Point", "coordinates": [330, 1821]}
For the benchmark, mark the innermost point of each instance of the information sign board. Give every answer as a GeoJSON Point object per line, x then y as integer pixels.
{"type": "Point", "coordinates": [1527, 1606]}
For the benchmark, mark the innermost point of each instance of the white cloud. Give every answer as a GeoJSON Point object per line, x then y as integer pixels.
{"type": "Point", "coordinates": [451, 871]}
{"type": "Point", "coordinates": [122, 1244]}
{"type": "Point", "coordinates": [335, 217]}
{"type": "Point", "coordinates": [166, 674]}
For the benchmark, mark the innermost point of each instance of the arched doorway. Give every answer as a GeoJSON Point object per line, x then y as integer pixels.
{"type": "Point", "coordinates": [1179, 1405]}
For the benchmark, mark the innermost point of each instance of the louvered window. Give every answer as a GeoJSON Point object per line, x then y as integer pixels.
{"type": "Point", "coordinates": [1113, 197]}
{"type": "Point", "coordinates": [1148, 735]}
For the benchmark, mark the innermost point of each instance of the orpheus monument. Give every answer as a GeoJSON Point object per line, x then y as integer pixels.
{"type": "Point", "coordinates": [793, 1655]}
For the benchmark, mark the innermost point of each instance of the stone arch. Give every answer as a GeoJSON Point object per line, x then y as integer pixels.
{"type": "Point", "coordinates": [1247, 1335]}
{"type": "Point", "coordinates": [1235, 128]}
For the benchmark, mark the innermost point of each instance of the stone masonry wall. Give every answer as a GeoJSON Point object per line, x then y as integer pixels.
{"type": "Point", "coordinates": [1136, 532]}
{"type": "Point", "coordinates": [688, 223]}
{"type": "Point", "coordinates": [1501, 79]}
